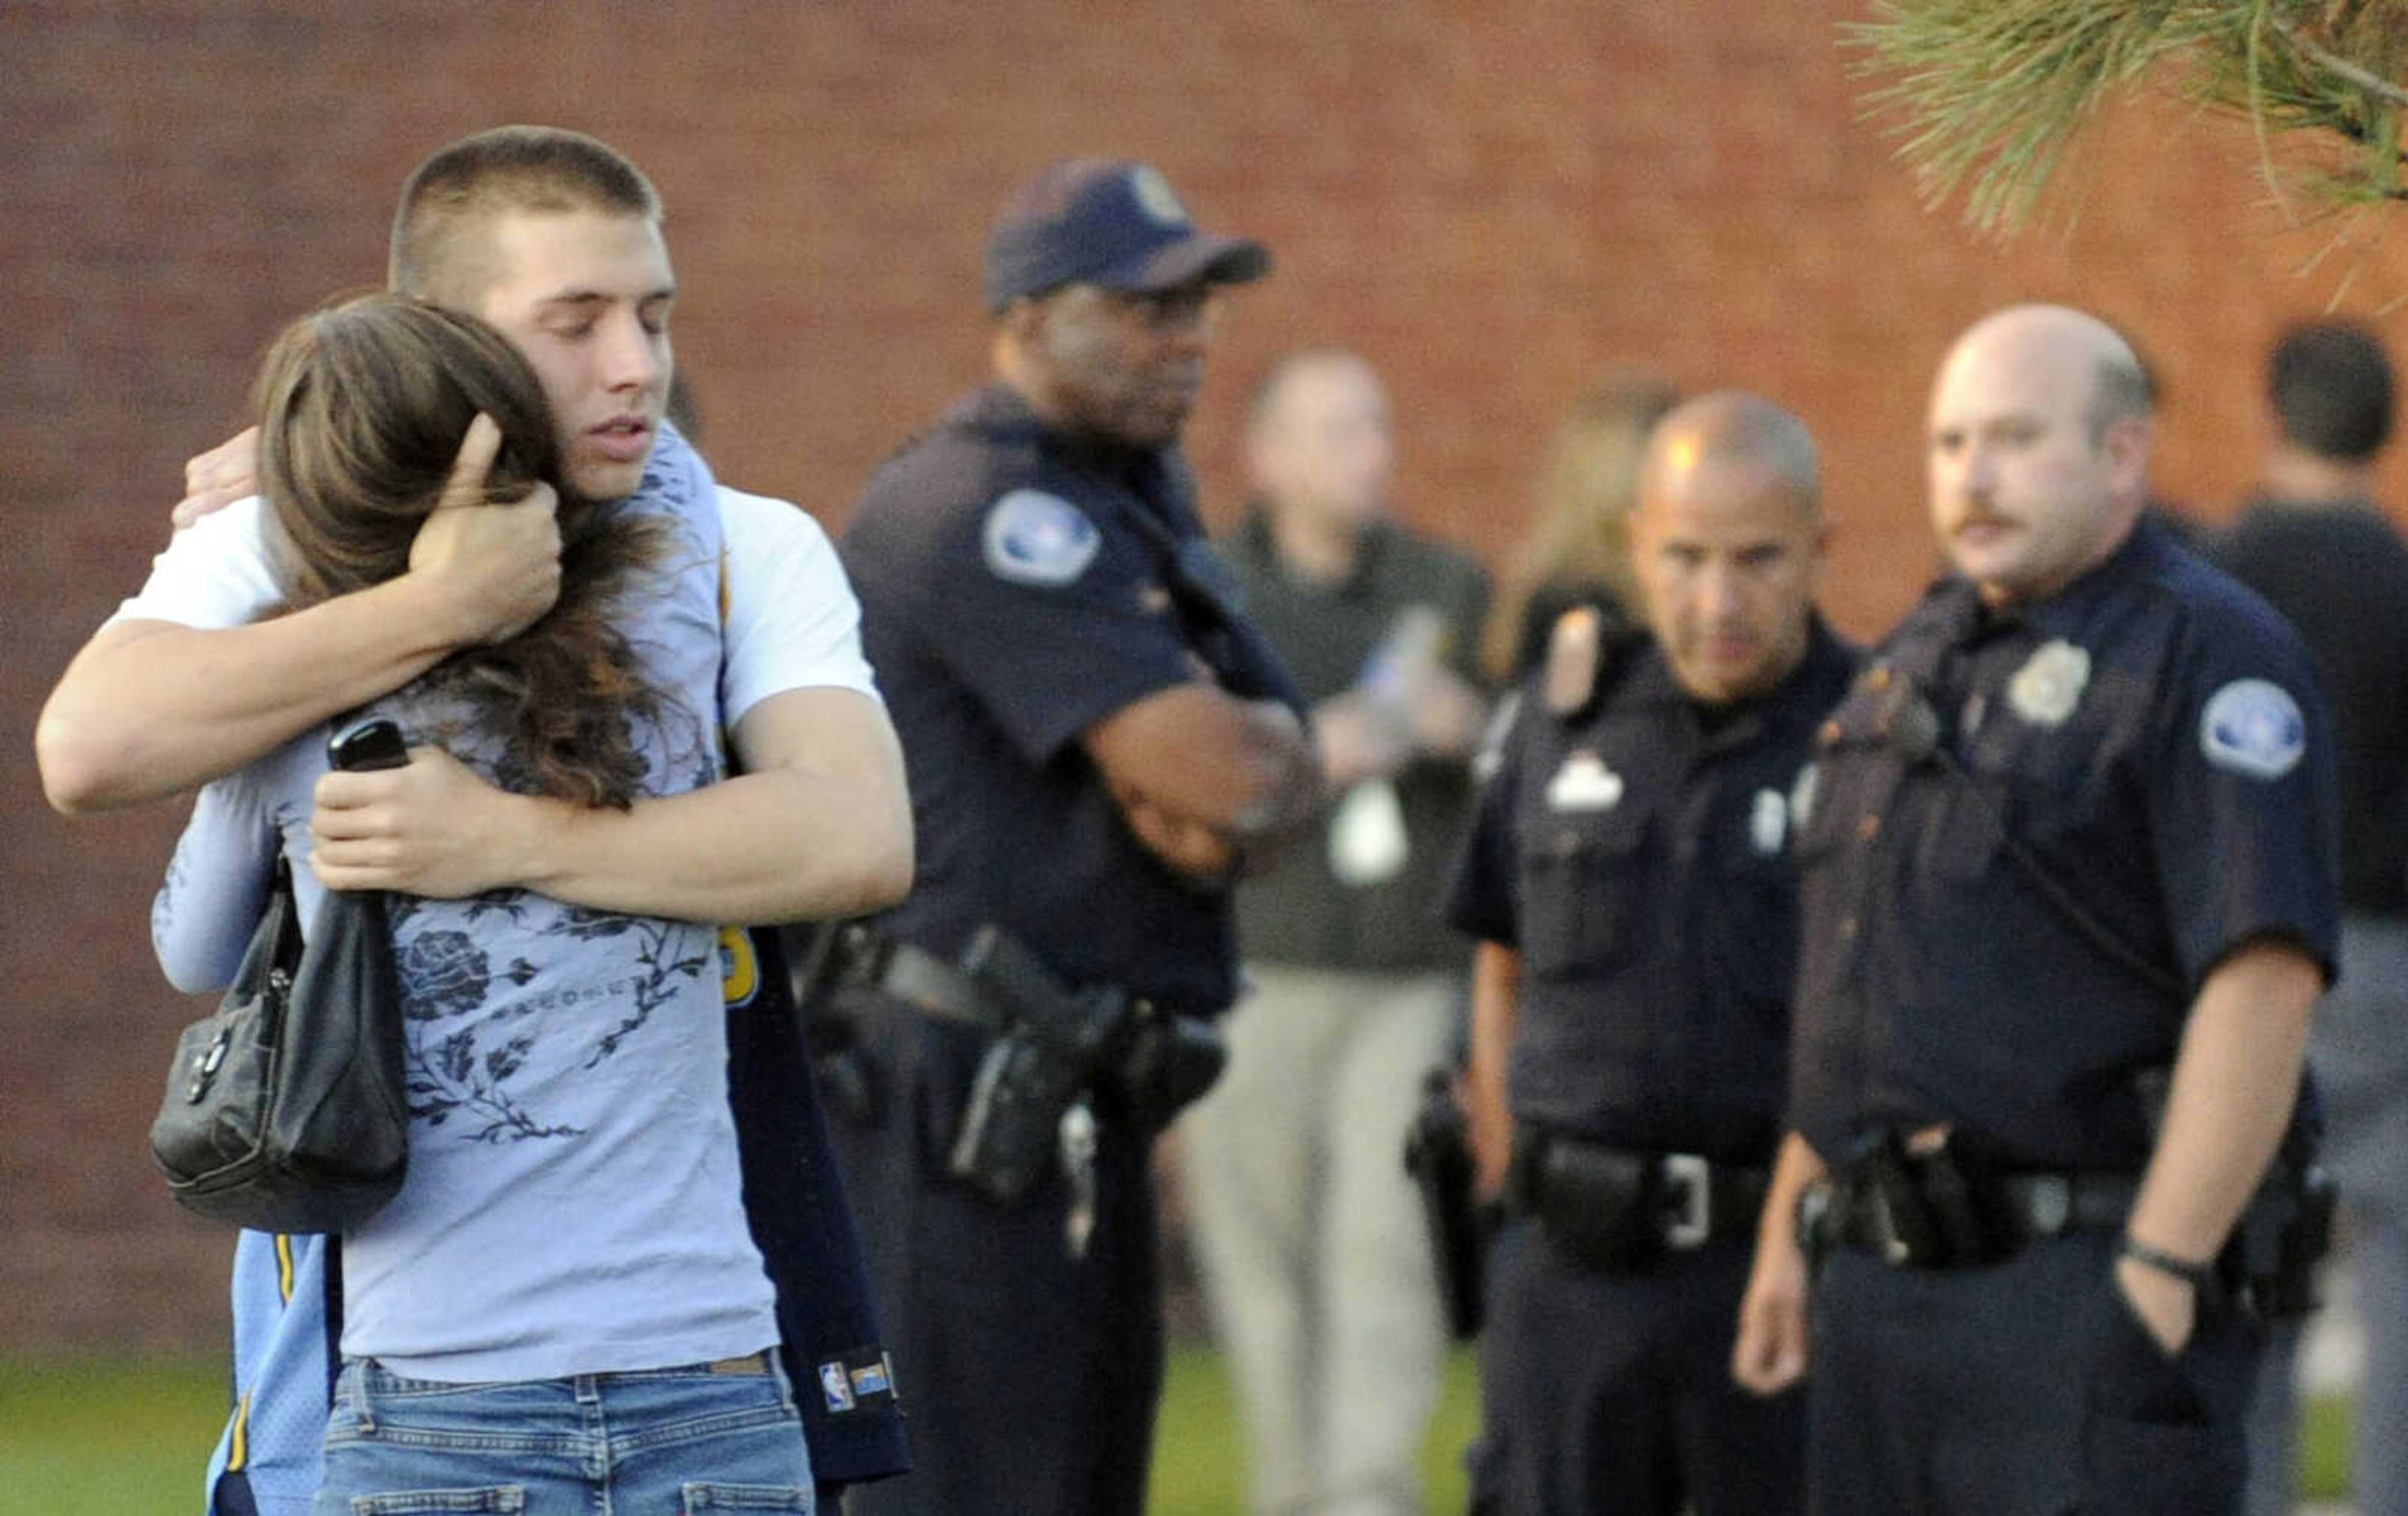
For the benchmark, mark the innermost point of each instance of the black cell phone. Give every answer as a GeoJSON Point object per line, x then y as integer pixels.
{"type": "Point", "coordinates": [371, 744]}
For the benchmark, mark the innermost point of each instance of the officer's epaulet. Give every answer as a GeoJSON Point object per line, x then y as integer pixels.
{"type": "Point", "coordinates": [1584, 654]}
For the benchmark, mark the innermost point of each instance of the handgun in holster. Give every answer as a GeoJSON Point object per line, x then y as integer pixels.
{"type": "Point", "coordinates": [1054, 1041]}
{"type": "Point", "coordinates": [2267, 1266]}
{"type": "Point", "coordinates": [1977, 1224]}
{"type": "Point", "coordinates": [1166, 1062]}
{"type": "Point", "coordinates": [1437, 1155]}
{"type": "Point", "coordinates": [1932, 1205]}
{"type": "Point", "coordinates": [1886, 1191]}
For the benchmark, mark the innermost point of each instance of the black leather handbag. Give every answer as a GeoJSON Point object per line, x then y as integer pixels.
{"type": "Point", "coordinates": [285, 1111]}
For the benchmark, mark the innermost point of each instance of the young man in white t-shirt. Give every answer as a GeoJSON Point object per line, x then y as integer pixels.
{"type": "Point", "coordinates": [183, 685]}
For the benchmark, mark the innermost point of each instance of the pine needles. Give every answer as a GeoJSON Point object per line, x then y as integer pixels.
{"type": "Point", "coordinates": [1992, 93]}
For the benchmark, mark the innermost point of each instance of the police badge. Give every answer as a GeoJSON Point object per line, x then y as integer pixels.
{"type": "Point", "coordinates": [2049, 685]}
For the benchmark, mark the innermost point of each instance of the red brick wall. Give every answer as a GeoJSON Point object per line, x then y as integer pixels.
{"type": "Point", "coordinates": [1492, 202]}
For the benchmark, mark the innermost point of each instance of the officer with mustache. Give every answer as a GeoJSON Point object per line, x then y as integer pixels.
{"type": "Point", "coordinates": [2070, 890]}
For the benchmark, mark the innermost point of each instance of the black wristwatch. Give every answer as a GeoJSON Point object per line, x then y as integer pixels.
{"type": "Point", "coordinates": [2199, 1276]}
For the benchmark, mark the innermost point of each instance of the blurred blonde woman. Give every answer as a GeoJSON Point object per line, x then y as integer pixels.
{"type": "Point", "coordinates": [1575, 551]}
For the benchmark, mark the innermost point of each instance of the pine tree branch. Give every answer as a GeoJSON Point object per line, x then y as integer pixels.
{"type": "Point", "coordinates": [1991, 95]}
{"type": "Point", "coordinates": [2371, 83]}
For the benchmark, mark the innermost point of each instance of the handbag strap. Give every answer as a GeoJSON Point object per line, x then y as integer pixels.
{"type": "Point", "coordinates": [284, 908]}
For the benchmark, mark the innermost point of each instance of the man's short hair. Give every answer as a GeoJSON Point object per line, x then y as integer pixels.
{"type": "Point", "coordinates": [1735, 427]}
{"type": "Point", "coordinates": [436, 255]}
{"type": "Point", "coordinates": [2330, 383]}
{"type": "Point", "coordinates": [2120, 388]}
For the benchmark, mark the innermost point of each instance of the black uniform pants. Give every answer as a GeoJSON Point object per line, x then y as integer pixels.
{"type": "Point", "coordinates": [2021, 1388]}
{"type": "Point", "coordinates": [1029, 1379]}
{"type": "Point", "coordinates": [1612, 1393]}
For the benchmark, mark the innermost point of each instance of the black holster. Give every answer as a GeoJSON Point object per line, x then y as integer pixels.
{"type": "Point", "coordinates": [1598, 1207]}
{"type": "Point", "coordinates": [1053, 1042]}
{"type": "Point", "coordinates": [1045, 1043]}
{"type": "Point", "coordinates": [1056, 1042]}
{"type": "Point", "coordinates": [2269, 1264]}
{"type": "Point", "coordinates": [2267, 1268]}
{"type": "Point", "coordinates": [1167, 1062]}
{"type": "Point", "coordinates": [1437, 1155]}
{"type": "Point", "coordinates": [1922, 1206]}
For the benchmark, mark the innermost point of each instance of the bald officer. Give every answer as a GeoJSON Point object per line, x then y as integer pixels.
{"type": "Point", "coordinates": [2070, 888]}
{"type": "Point", "coordinates": [1631, 880]}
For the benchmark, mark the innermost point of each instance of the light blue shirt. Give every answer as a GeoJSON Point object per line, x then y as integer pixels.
{"type": "Point", "coordinates": [573, 1203]}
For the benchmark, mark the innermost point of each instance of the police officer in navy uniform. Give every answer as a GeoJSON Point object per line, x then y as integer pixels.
{"type": "Point", "coordinates": [2070, 890]}
{"type": "Point", "coordinates": [1629, 875]}
{"type": "Point", "coordinates": [1096, 740]}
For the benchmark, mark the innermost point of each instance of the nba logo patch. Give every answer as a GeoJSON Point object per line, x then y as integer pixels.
{"type": "Point", "coordinates": [834, 1385]}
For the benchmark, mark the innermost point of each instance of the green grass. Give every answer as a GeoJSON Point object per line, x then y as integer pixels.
{"type": "Point", "coordinates": [129, 1439]}
{"type": "Point", "coordinates": [1199, 1468]}
{"type": "Point", "coordinates": [2324, 1449]}
{"type": "Point", "coordinates": [113, 1439]}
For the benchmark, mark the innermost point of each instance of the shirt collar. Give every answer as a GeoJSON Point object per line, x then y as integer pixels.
{"type": "Point", "coordinates": [2069, 609]}
{"type": "Point", "coordinates": [1810, 687]}
{"type": "Point", "coordinates": [1004, 414]}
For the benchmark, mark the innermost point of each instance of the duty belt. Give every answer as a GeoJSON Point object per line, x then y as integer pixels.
{"type": "Point", "coordinates": [1612, 1207]}
{"type": "Point", "coordinates": [1959, 1220]}
{"type": "Point", "coordinates": [856, 956]}
{"type": "Point", "coordinates": [1098, 1037]}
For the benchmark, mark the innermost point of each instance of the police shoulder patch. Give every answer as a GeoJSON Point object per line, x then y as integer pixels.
{"type": "Point", "coordinates": [2253, 727]}
{"type": "Point", "coordinates": [1034, 538]}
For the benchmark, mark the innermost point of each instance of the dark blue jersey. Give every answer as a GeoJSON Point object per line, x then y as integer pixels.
{"type": "Point", "coordinates": [1017, 588]}
{"type": "Point", "coordinates": [2033, 834]}
{"type": "Point", "coordinates": [1638, 858]}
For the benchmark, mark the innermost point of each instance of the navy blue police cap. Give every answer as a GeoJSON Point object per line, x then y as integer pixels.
{"type": "Point", "coordinates": [1111, 223]}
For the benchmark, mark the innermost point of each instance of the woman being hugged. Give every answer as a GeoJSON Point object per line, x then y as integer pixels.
{"type": "Point", "coordinates": [567, 1273]}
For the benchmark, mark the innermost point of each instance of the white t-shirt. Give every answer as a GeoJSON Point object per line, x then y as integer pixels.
{"type": "Point", "coordinates": [792, 622]}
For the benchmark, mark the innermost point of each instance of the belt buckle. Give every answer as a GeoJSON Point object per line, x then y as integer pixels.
{"type": "Point", "coordinates": [2048, 1204]}
{"type": "Point", "coordinates": [1692, 1223]}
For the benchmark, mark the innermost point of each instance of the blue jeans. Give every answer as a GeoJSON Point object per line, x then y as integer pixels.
{"type": "Point", "coordinates": [659, 1442]}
